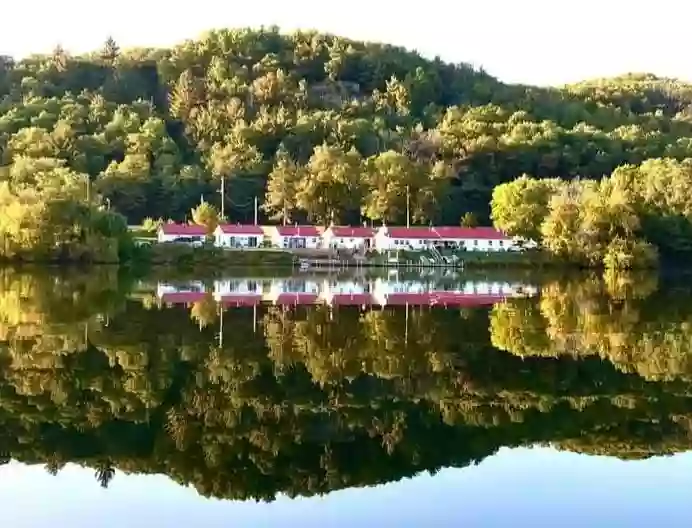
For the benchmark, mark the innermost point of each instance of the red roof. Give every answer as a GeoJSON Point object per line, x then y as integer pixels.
{"type": "Point", "coordinates": [182, 297]}
{"type": "Point", "coordinates": [296, 298]}
{"type": "Point", "coordinates": [183, 229]}
{"type": "Point", "coordinates": [238, 229]}
{"type": "Point", "coordinates": [352, 232]}
{"type": "Point", "coordinates": [443, 299]}
{"type": "Point", "coordinates": [298, 231]}
{"type": "Point", "coordinates": [240, 300]}
{"type": "Point", "coordinates": [447, 233]}
{"type": "Point", "coordinates": [352, 299]}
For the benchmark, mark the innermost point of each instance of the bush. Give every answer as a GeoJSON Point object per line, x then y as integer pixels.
{"type": "Point", "coordinates": [630, 254]}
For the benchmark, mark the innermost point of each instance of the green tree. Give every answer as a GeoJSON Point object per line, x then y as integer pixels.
{"type": "Point", "coordinates": [519, 207]}
{"type": "Point", "coordinates": [110, 51]}
{"type": "Point", "coordinates": [469, 220]}
{"type": "Point", "coordinates": [280, 199]}
{"type": "Point", "coordinates": [331, 185]}
{"type": "Point", "coordinates": [205, 215]}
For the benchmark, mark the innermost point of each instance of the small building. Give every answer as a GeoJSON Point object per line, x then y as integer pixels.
{"type": "Point", "coordinates": [341, 237]}
{"type": "Point", "coordinates": [189, 293]}
{"type": "Point", "coordinates": [347, 293]}
{"type": "Point", "coordinates": [289, 292]}
{"type": "Point", "coordinates": [420, 238]}
{"type": "Point", "coordinates": [295, 237]}
{"type": "Point", "coordinates": [182, 233]}
{"type": "Point", "coordinates": [238, 236]}
{"type": "Point", "coordinates": [238, 292]}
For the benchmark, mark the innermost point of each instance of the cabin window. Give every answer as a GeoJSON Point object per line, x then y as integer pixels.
{"type": "Point", "coordinates": [501, 243]}
{"type": "Point", "coordinates": [490, 242]}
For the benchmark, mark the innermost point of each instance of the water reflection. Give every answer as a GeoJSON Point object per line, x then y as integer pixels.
{"type": "Point", "coordinates": [361, 291]}
{"type": "Point", "coordinates": [248, 400]}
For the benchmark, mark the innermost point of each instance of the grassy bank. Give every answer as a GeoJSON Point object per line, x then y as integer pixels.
{"type": "Point", "coordinates": [209, 258]}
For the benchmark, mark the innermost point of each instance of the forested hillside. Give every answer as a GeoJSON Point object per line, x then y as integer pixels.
{"type": "Point", "coordinates": [314, 125]}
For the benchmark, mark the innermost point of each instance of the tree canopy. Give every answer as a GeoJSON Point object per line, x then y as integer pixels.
{"type": "Point", "coordinates": [318, 127]}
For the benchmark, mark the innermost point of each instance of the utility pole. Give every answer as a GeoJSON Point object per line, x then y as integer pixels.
{"type": "Point", "coordinates": [223, 196]}
{"type": "Point", "coordinates": [221, 325]}
{"type": "Point", "coordinates": [408, 207]}
{"type": "Point", "coordinates": [256, 210]}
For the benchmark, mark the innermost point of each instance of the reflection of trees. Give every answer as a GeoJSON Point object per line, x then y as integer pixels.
{"type": "Point", "coordinates": [305, 401]}
{"type": "Point", "coordinates": [633, 327]}
{"type": "Point", "coordinates": [104, 473]}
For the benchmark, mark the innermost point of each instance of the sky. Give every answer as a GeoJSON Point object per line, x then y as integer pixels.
{"type": "Point", "coordinates": [524, 487]}
{"type": "Point", "coordinates": [530, 41]}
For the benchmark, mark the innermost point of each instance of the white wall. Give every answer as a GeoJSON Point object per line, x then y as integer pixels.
{"type": "Point", "coordinates": [342, 242]}
{"type": "Point", "coordinates": [238, 241]}
{"type": "Point", "coordinates": [385, 243]}
{"type": "Point", "coordinates": [488, 245]}
{"type": "Point", "coordinates": [285, 242]}
{"type": "Point", "coordinates": [238, 287]}
{"type": "Point", "coordinates": [167, 238]}
{"type": "Point", "coordinates": [171, 238]}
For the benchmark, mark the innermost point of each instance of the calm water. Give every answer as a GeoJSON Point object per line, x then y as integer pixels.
{"type": "Point", "coordinates": [314, 400]}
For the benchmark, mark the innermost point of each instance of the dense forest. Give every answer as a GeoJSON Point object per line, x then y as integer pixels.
{"type": "Point", "coordinates": [95, 371]}
{"type": "Point", "coordinates": [321, 128]}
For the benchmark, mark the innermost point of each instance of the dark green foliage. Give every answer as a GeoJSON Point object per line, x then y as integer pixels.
{"type": "Point", "coordinates": [144, 124]}
{"type": "Point", "coordinates": [304, 401]}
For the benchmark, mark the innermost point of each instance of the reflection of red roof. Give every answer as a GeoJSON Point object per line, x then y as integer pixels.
{"type": "Point", "coordinates": [238, 229]}
{"type": "Point", "coordinates": [352, 232]}
{"type": "Point", "coordinates": [443, 299]}
{"type": "Point", "coordinates": [298, 231]}
{"type": "Point", "coordinates": [447, 233]}
{"type": "Point", "coordinates": [296, 298]}
{"type": "Point", "coordinates": [240, 300]}
{"type": "Point", "coordinates": [183, 230]}
{"type": "Point", "coordinates": [352, 299]}
{"type": "Point", "coordinates": [182, 297]}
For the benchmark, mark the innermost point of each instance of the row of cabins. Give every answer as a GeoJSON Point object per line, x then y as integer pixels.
{"type": "Point", "coordinates": [384, 238]}
{"type": "Point", "coordinates": [380, 292]}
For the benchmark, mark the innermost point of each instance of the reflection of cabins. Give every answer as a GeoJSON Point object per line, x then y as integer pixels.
{"type": "Point", "coordinates": [381, 292]}
{"type": "Point", "coordinates": [287, 292]}
{"type": "Point", "coordinates": [416, 238]}
{"type": "Point", "coordinates": [172, 232]}
{"type": "Point", "coordinates": [386, 293]}
{"type": "Point", "coordinates": [295, 237]}
{"type": "Point", "coordinates": [238, 236]}
{"type": "Point", "coordinates": [238, 292]}
{"type": "Point", "coordinates": [347, 293]}
{"type": "Point", "coordinates": [181, 293]}
{"type": "Point", "coordinates": [339, 237]}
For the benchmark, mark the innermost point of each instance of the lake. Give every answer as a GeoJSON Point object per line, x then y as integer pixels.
{"type": "Point", "coordinates": [458, 399]}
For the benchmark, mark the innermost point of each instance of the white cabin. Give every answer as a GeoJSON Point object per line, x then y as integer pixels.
{"type": "Point", "coordinates": [341, 237]}
{"type": "Point", "coordinates": [182, 233]}
{"type": "Point", "coordinates": [238, 236]}
{"type": "Point", "coordinates": [295, 237]}
{"type": "Point", "coordinates": [418, 238]}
